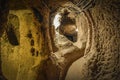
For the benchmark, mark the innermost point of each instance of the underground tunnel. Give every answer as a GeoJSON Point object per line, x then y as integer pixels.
{"type": "Point", "coordinates": [60, 40]}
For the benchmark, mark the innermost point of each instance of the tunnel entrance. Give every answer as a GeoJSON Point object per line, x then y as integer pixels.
{"type": "Point", "coordinates": [65, 24]}
{"type": "Point", "coordinates": [71, 29]}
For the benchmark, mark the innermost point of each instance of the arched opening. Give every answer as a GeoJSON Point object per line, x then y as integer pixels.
{"type": "Point", "coordinates": [71, 29]}
{"type": "Point", "coordinates": [65, 24]}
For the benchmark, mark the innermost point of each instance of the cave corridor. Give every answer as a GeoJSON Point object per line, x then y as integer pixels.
{"type": "Point", "coordinates": [59, 39]}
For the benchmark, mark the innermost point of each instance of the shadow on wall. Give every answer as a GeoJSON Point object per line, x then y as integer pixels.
{"type": "Point", "coordinates": [12, 29]}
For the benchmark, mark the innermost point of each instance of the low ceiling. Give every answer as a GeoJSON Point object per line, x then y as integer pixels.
{"type": "Point", "coordinates": [53, 5]}
{"type": "Point", "coordinates": [23, 4]}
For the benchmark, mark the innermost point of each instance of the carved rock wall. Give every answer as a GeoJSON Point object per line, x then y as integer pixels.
{"type": "Point", "coordinates": [102, 62]}
{"type": "Point", "coordinates": [20, 62]}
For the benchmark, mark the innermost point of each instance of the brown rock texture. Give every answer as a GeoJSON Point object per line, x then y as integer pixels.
{"type": "Point", "coordinates": [30, 49]}
{"type": "Point", "coordinates": [102, 61]}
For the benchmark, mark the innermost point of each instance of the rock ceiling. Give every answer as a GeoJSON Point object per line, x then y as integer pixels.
{"type": "Point", "coordinates": [51, 4]}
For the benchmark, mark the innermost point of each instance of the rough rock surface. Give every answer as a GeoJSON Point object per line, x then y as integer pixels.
{"type": "Point", "coordinates": [102, 62]}
{"type": "Point", "coordinates": [99, 32]}
{"type": "Point", "coordinates": [22, 58]}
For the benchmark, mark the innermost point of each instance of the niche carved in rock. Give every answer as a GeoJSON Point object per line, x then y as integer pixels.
{"type": "Point", "coordinates": [12, 29]}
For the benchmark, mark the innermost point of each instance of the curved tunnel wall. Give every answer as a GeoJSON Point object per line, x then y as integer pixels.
{"type": "Point", "coordinates": [102, 61]}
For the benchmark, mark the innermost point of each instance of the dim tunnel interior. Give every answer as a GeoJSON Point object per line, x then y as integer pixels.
{"type": "Point", "coordinates": [65, 25]}
{"type": "Point", "coordinates": [59, 40]}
